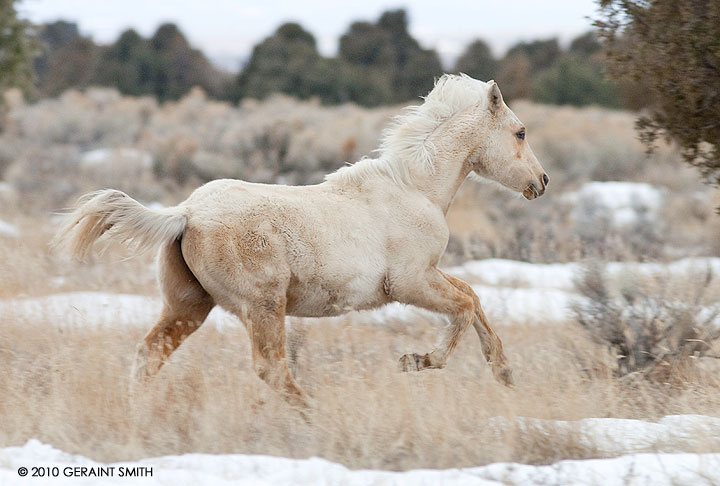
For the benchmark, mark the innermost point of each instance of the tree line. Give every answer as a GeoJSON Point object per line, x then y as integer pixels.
{"type": "Point", "coordinates": [662, 55]}
{"type": "Point", "coordinates": [377, 63]}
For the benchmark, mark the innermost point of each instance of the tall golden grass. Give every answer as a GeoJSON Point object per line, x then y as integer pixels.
{"type": "Point", "coordinates": [69, 388]}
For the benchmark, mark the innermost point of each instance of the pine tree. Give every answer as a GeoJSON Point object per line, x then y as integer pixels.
{"type": "Point", "coordinates": [16, 49]}
{"type": "Point", "coordinates": [674, 47]}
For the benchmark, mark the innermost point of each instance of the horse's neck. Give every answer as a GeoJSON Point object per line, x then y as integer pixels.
{"type": "Point", "coordinates": [438, 185]}
{"type": "Point", "coordinates": [449, 171]}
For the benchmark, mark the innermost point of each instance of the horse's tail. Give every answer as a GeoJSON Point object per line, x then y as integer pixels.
{"type": "Point", "coordinates": [118, 217]}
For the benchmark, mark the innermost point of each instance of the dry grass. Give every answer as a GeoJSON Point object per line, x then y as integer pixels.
{"type": "Point", "coordinates": [68, 388]}
{"type": "Point", "coordinates": [29, 268]}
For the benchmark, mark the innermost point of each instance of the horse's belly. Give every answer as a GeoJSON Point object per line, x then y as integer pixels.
{"type": "Point", "coordinates": [317, 298]}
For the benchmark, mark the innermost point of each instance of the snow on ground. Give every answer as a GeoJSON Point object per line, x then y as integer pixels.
{"type": "Point", "coordinates": [74, 309]}
{"type": "Point", "coordinates": [511, 293]}
{"type": "Point", "coordinates": [8, 194]}
{"type": "Point", "coordinates": [511, 273]}
{"type": "Point", "coordinates": [623, 202]}
{"type": "Point", "coordinates": [8, 230]}
{"type": "Point", "coordinates": [503, 305]}
{"type": "Point", "coordinates": [107, 156]}
{"type": "Point", "coordinates": [561, 276]}
{"type": "Point", "coordinates": [611, 436]}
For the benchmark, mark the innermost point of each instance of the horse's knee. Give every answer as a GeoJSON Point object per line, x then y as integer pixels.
{"type": "Point", "coordinates": [261, 370]}
{"type": "Point", "coordinates": [268, 369]}
{"type": "Point", "coordinates": [466, 312]}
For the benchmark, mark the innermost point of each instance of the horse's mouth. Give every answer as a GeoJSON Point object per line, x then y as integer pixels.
{"type": "Point", "coordinates": [531, 192]}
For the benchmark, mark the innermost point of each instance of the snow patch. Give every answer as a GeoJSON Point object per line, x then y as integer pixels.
{"type": "Point", "coordinates": [623, 202]}
{"type": "Point", "coordinates": [9, 230]}
{"type": "Point", "coordinates": [77, 309]}
{"type": "Point", "coordinates": [561, 276]}
{"type": "Point", "coordinates": [105, 156]}
{"type": "Point", "coordinates": [635, 469]}
{"type": "Point", "coordinates": [511, 293]}
{"type": "Point", "coordinates": [614, 436]}
{"type": "Point", "coordinates": [511, 273]}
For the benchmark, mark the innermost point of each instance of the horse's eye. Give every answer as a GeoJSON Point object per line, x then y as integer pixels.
{"type": "Point", "coordinates": [520, 135]}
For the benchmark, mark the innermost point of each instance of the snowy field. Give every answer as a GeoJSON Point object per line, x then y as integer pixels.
{"type": "Point", "coordinates": [639, 452]}
{"type": "Point", "coordinates": [610, 436]}
{"type": "Point", "coordinates": [511, 293]}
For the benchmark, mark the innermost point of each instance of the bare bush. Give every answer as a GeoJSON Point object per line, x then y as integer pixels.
{"type": "Point", "coordinates": [650, 328]}
{"type": "Point", "coordinates": [283, 140]}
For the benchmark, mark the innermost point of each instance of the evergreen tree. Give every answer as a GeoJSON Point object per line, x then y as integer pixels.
{"type": "Point", "coordinates": [52, 37]}
{"type": "Point", "coordinates": [165, 66]}
{"type": "Point", "coordinates": [541, 54]}
{"type": "Point", "coordinates": [177, 67]}
{"type": "Point", "coordinates": [477, 61]}
{"type": "Point", "coordinates": [128, 65]}
{"type": "Point", "coordinates": [70, 66]}
{"type": "Point", "coordinates": [16, 49]}
{"type": "Point", "coordinates": [674, 47]}
{"type": "Point", "coordinates": [285, 62]}
{"type": "Point", "coordinates": [586, 44]}
{"type": "Point", "coordinates": [513, 76]}
{"type": "Point", "coordinates": [576, 77]}
{"type": "Point", "coordinates": [385, 53]}
{"type": "Point", "coordinates": [574, 80]}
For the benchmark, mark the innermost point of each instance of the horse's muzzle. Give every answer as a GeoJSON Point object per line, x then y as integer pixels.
{"type": "Point", "coordinates": [532, 192]}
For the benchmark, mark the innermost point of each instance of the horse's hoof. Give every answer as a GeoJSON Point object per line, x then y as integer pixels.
{"type": "Point", "coordinates": [415, 362]}
{"type": "Point", "coordinates": [408, 362]}
{"type": "Point", "coordinates": [504, 375]}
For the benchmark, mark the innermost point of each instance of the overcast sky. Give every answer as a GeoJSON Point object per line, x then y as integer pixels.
{"type": "Point", "coordinates": [226, 30]}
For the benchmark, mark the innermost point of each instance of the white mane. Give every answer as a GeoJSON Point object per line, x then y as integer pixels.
{"type": "Point", "coordinates": [405, 143]}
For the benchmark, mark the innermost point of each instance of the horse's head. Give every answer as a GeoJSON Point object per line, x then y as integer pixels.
{"type": "Point", "coordinates": [503, 154]}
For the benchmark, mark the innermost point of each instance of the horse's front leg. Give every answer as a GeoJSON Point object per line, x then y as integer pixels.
{"type": "Point", "coordinates": [491, 345]}
{"type": "Point", "coordinates": [447, 295]}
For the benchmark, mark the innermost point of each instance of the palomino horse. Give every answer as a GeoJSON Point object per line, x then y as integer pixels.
{"type": "Point", "coordinates": [370, 234]}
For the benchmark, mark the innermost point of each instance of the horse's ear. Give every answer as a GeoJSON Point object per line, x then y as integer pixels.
{"type": "Point", "coordinates": [495, 97]}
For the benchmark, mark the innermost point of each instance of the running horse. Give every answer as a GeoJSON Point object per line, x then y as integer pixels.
{"type": "Point", "coordinates": [370, 234]}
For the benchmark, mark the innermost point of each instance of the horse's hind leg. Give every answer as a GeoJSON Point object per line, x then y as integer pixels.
{"type": "Point", "coordinates": [186, 305]}
{"type": "Point", "coordinates": [265, 322]}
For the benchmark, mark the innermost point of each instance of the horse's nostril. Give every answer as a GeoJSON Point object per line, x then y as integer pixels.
{"type": "Point", "coordinates": [545, 179]}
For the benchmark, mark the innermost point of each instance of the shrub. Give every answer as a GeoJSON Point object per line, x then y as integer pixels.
{"type": "Point", "coordinates": [653, 332]}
